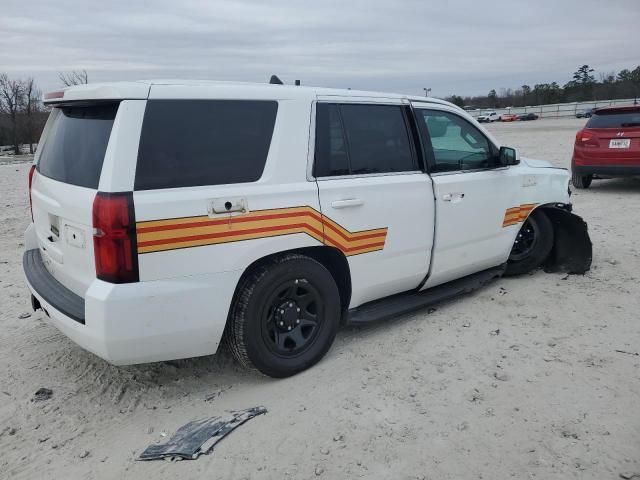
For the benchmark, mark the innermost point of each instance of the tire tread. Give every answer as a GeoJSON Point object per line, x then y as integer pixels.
{"type": "Point", "coordinates": [234, 336]}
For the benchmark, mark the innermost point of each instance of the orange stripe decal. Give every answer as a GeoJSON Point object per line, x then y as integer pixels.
{"type": "Point", "coordinates": [171, 234]}
{"type": "Point", "coordinates": [515, 215]}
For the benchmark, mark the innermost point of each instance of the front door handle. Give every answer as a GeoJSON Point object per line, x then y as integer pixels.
{"type": "Point", "coordinates": [453, 197]}
{"type": "Point", "coordinates": [347, 203]}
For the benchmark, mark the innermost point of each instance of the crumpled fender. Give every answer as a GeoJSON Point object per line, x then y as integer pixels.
{"type": "Point", "coordinates": [572, 248]}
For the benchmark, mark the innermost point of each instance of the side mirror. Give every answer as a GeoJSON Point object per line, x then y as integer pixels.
{"type": "Point", "coordinates": [509, 156]}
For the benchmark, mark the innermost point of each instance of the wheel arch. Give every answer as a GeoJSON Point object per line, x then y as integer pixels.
{"type": "Point", "coordinates": [331, 258]}
{"type": "Point", "coordinates": [572, 248]}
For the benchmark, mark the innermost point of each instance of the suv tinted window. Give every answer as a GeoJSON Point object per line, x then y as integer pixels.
{"type": "Point", "coordinates": [614, 120]}
{"type": "Point", "coordinates": [331, 149]}
{"type": "Point", "coordinates": [74, 149]}
{"type": "Point", "coordinates": [186, 143]}
{"type": "Point", "coordinates": [361, 139]}
{"type": "Point", "coordinates": [456, 143]}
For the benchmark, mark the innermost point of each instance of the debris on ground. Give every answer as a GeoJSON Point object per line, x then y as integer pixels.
{"type": "Point", "coordinates": [630, 476]}
{"type": "Point", "coordinates": [199, 437]}
{"type": "Point", "coordinates": [636, 354]}
{"type": "Point", "coordinates": [42, 394]}
{"type": "Point", "coordinates": [24, 315]}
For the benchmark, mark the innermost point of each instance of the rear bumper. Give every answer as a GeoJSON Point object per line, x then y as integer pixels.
{"type": "Point", "coordinates": [52, 291]}
{"type": "Point", "coordinates": [139, 322]}
{"type": "Point", "coordinates": [610, 170]}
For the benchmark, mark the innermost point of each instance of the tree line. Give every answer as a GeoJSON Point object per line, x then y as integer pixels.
{"type": "Point", "coordinates": [22, 113]}
{"type": "Point", "coordinates": [583, 86]}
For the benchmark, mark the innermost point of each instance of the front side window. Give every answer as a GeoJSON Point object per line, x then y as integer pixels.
{"type": "Point", "coordinates": [354, 139]}
{"type": "Point", "coordinates": [187, 143]}
{"type": "Point", "coordinates": [456, 143]}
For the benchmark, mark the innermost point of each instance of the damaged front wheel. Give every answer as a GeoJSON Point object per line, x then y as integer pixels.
{"type": "Point", "coordinates": [532, 245]}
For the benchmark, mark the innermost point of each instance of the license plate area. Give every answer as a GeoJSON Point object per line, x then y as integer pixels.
{"type": "Point", "coordinates": [619, 143]}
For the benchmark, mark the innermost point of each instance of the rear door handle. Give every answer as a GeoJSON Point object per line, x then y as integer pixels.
{"type": "Point", "coordinates": [347, 203]}
{"type": "Point", "coordinates": [453, 197]}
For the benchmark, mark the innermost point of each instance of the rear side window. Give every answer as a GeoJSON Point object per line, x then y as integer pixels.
{"type": "Point", "coordinates": [331, 147]}
{"type": "Point", "coordinates": [187, 143]}
{"type": "Point", "coordinates": [74, 149]}
{"type": "Point", "coordinates": [361, 139]}
{"type": "Point", "coordinates": [614, 120]}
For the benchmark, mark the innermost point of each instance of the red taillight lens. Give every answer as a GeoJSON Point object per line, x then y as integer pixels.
{"type": "Point", "coordinates": [114, 238]}
{"type": "Point", "coordinates": [32, 170]}
{"type": "Point", "coordinates": [586, 139]}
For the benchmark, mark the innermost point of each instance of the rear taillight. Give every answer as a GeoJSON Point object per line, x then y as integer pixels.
{"type": "Point", "coordinates": [32, 170]}
{"type": "Point", "coordinates": [586, 139]}
{"type": "Point", "coordinates": [114, 237]}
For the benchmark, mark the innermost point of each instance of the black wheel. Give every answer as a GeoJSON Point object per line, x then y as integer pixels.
{"type": "Point", "coordinates": [581, 181]}
{"type": "Point", "coordinates": [532, 246]}
{"type": "Point", "coordinates": [285, 316]}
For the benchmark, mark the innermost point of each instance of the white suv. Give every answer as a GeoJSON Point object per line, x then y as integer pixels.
{"type": "Point", "coordinates": [488, 117]}
{"type": "Point", "coordinates": [170, 215]}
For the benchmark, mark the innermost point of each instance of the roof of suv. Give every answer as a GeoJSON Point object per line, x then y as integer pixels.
{"type": "Point", "coordinates": [615, 109]}
{"type": "Point", "coordinates": [140, 90]}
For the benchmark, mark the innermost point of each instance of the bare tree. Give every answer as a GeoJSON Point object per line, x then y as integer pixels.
{"type": "Point", "coordinates": [76, 77]}
{"type": "Point", "coordinates": [32, 106]}
{"type": "Point", "coordinates": [11, 100]}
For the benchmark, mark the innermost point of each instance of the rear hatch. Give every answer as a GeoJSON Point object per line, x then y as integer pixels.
{"type": "Point", "coordinates": [64, 186]}
{"type": "Point", "coordinates": [617, 133]}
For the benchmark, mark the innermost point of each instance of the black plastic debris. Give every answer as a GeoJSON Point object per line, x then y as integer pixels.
{"type": "Point", "coordinates": [200, 436]}
{"type": "Point", "coordinates": [42, 394]}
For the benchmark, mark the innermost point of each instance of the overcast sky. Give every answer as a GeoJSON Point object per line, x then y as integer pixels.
{"type": "Point", "coordinates": [451, 46]}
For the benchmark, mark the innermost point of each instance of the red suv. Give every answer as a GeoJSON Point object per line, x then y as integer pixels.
{"type": "Point", "coordinates": [608, 145]}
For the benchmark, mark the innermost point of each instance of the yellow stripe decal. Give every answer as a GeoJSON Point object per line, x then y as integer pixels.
{"type": "Point", "coordinates": [171, 234]}
{"type": "Point", "coordinates": [516, 215]}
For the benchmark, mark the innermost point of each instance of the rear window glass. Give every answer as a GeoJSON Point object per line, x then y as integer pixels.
{"type": "Point", "coordinates": [74, 149]}
{"type": "Point", "coordinates": [614, 120]}
{"type": "Point", "coordinates": [188, 143]}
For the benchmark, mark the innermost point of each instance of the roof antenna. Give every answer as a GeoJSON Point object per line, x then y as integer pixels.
{"type": "Point", "coordinates": [274, 80]}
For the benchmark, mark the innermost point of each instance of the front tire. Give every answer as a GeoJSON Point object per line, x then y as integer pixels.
{"type": "Point", "coordinates": [581, 181]}
{"type": "Point", "coordinates": [532, 246]}
{"type": "Point", "coordinates": [285, 316]}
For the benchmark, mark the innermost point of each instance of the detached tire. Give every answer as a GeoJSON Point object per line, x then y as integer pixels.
{"type": "Point", "coordinates": [285, 316]}
{"type": "Point", "coordinates": [581, 181]}
{"type": "Point", "coordinates": [532, 246]}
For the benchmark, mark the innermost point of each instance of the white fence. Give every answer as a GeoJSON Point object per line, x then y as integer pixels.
{"type": "Point", "coordinates": [555, 110]}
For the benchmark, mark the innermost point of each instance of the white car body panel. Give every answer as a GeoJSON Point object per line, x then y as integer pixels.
{"type": "Point", "coordinates": [405, 210]}
{"type": "Point", "coordinates": [68, 207]}
{"type": "Point", "coordinates": [179, 307]}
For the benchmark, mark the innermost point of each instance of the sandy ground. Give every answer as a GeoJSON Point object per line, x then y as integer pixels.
{"type": "Point", "coordinates": [433, 396]}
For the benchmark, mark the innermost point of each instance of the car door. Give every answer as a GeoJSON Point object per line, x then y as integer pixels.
{"type": "Point", "coordinates": [377, 205]}
{"type": "Point", "coordinates": [473, 194]}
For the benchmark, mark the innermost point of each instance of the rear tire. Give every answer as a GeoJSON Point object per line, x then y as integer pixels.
{"type": "Point", "coordinates": [285, 316]}
{"type": "Point", "coordinates": [581, 181]}
{"type": "Point", "coordinates": [532, 246]}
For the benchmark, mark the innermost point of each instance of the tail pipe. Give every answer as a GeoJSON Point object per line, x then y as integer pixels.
{"type": "Point", "coordinates": [572, 248]}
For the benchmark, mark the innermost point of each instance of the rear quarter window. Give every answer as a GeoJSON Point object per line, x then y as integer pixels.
{"type": "Point", "coordinates": [73, 151]}
{"type": "Point", "coordinates": [614, 120]}
{"type": "Point", "coordinates": [187, 143]}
